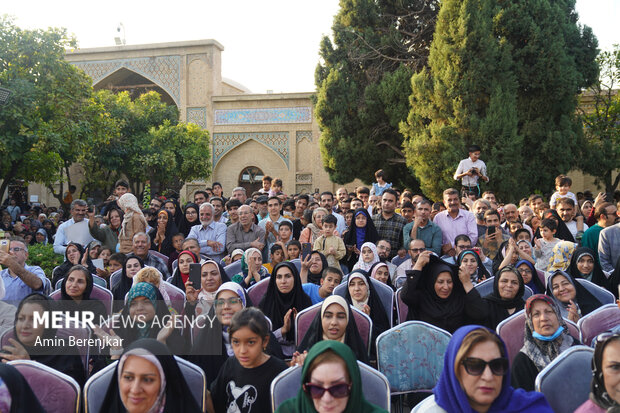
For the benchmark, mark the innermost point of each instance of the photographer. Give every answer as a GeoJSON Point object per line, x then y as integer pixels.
{"type": "Point", "coordinates": [470, 170]}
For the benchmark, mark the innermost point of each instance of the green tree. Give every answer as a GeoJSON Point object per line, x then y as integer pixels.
{"type": "Point", "coordinates": [502, 75]}
{"type": "Point", "coordinates": [362, 85]}
{"type": "Point", "coordinates": [601, 154]}
{"type": "Point", "coordinates": [147, 143]}
{"type": "Point", "coordinates": [466, 96]}
{"type": "Point", "coordinates": [42, 126]}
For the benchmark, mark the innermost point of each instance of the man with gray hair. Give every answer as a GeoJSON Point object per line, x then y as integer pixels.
{"type": "Point", "coordinates": [79, 208]}
{"type": "Point", "coordinates": [239, 193]}
{"type": "Point", "coordinates": [141, 244]}
{"type": "Point", "coordinates": [211, 235]}
{"type": "Point", "coordinates": [245, 233]}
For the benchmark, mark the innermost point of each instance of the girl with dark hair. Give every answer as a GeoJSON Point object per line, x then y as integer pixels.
{"type": "Point", "coordinates": [148, 369]}
{"type": "Point", "coordinates": [24, 346]}
{"type": "Point", "coordinates": [281, 303]}
{"type": "Point", "coordinates": [244, 380]}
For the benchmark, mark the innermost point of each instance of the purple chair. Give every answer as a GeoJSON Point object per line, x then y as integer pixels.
{"type": "Point", "coordinates": [99, 293]}
{"type": "Point", "coordinates": [512, 331]}
{"type": "Point", "coordinates": [177, 296]}
{"type": "Point", "coordinates": [304, 319]}
{"type": "Point", "coordinates": [401, 307]}
{"type": "Point", "coordinates": [597, 322]}
{"type": "Point", "coordinates": [56, 391]}
{"type": "Point", "coordinates": [80, 333]}
{"type": "Point", "coordinates": [258, 291]}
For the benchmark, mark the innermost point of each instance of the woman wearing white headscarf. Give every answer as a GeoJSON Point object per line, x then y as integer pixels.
{"type": "Point", "coordinates": [133, 222]}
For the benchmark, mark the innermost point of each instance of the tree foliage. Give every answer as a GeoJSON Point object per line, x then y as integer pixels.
{"type": "Point", "coordinates": [43, 127]}
{"type": "Point", "coordinates": [601, 154]}
{"type": "Point", "coordinates": [147, 143]}
{"type": "Point", "coordinates": [502, 75]}
{"type": "Point", "coordinates": [362, 85]}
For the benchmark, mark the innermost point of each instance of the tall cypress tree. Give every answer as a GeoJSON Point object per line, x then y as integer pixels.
{"type": "Point", "coordinates": [467, 96]}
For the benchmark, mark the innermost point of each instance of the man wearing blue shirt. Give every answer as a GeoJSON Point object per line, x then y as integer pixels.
{"type": "Point", "coordinates": [20, 279]}
{"type": "Point", "coordinates": [211, 235]}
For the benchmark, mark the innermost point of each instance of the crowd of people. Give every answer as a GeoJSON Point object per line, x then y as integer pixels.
{"type": "Point", "coordinates": [216, 249]}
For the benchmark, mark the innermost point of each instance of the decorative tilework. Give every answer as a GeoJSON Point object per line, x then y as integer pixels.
{"type": "Point", "coordinates": [303, 178]}
{"type": "Point", "coordinates": [225, 142]}
{"type": "Point", "coordinates": [263, 116]}
{"type": "Point", "coordinates": [165, 71]}
{"type": "Point", "coordinates": [303, 134]}
{"type": "Point", "coordinates": [197, 116]}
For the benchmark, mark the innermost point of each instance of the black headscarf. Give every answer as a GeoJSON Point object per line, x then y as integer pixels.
{"type": "Point", "coordinates": [584, 298]}
{"type": "Point", "coordinates": [562, 232]}
{"type": "Point", "coordinates": [352, 336]}
{"type": "Point", "coordinates": [516, 302]}
{"type": "Point", "coordinates": [315, 278]}
{"type": "Point", "coordinates": [185, 225]}
{"type": "Point", "coordinates": [482, 273]}
{"type": "Point", "coordinates": [535, 283]}
{"type": "Point", "coordinates": [86, 304]}
{"type": "Point", "coordinates": [370, 231]}
{"type": "Point", "coordinates": [276, 304]}
{"type": "Point", "coordinates": [50, 232]}
{"type": "Point", "coordinates": [124, 285]}
{"type": "Point", "coordinates": [166, 246]}
{"type": "Point", "coordinates": [64, 360]}
{"type": "Point", "coordinates": [178, 214]}
{"type": "Point", "coordinates": [598, 392]}
{"type": "Point", "coordinates": [63, 269]}
{"type": "Point", "coordinates": [178, 396]}
{"type": "Point", "coordinates": [23, 398]}
{"type": "Point", "coordinates": [598, 277]}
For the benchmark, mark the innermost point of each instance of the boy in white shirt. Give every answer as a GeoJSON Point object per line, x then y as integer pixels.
{"type": "Point", "coordinates": [562, 187]}
{"type": "Point", "coordinates": [470, 170]}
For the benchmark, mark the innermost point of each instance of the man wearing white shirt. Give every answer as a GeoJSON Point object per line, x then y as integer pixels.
{"type": "Point", "coordinates": [470, 170]}
{"type": "Point", "coordinates": [79, 208]}
{"type": "Point", "coordinates": [327, 202]}
{"type": "Point", "coordinates": [211, 235]}
{"type": "Point", "coordinates": [271, 224]}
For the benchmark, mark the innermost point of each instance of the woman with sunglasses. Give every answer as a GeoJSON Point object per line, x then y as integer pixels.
{"type": "Point", "coordinates": [331, 382]}
{"type": "Point", "coordinates": [605, 387]}
{"type": "Point", "coordinates": [546, 336]}
{"type": "Point", "coordinates": [475, 378]}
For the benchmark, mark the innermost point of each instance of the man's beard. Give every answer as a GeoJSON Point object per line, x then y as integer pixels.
{"type": "Point", "coordinates": [383, 258]}
{"type": "Point", "coordinates": [205, 223]}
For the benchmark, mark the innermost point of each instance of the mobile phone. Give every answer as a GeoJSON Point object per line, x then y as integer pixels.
{"type": "Point", "coordinates": [194, 275]}
{"type": "Point", "coordinates": [306, 250]}
{"type": "Point", "coordinates": [491, 230]}
{"type": "Point", "coordinates": [4, 245]}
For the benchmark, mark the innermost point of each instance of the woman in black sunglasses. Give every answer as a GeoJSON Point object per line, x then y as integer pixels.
{"type": "Point", "coordinates": [605, 388]}
{"type": "Point", "coordinates": [331, 382]}
{"type": "Point", "coordinates": [475, 378]}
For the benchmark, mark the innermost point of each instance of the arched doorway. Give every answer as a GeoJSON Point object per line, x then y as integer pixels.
{"type": "Point", "coordinates": [251, 178]}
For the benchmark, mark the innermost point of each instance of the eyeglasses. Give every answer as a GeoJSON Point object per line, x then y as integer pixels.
{"type": "Point", "coordinates": [17, 249]}
{"type": "Point", "coordinates": [220, 302]}
{"type": "Point", "coordinates": [337, 390]}
{"type": "Point", "coordinates": [417, 250]}
{"type": "Point", "coordinates": [475, 366]}
{"type": "Point", "coordinates": [525, 271]}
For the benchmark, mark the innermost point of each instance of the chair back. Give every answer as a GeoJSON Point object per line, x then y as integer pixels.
{"type": "Point", "coordinates": [485, 288]}
{"type": "Point", "coordinates": [98, 293]}
{"type": "Point", "coordinates": [297, 263]}
{"type": "Point", "coordinates": [419, 344]}
{"type": "Point", "coordinates": [257, 291]}
{"type": "Point", "coordinates": [97, 280]}
{"type": "Point", "coordinates": [304, 319]}
{"type": "Point", "coordinates": [159, 255]}
{"type": "Point", "coordinates": [399, 281]}
{"type": "Point", "coordinates": [601, 294]}
{"type": "Point", "coordinates": [374, 384]}
{"type": "Point", "coordinates": [512, 331]}
{"type": "Point", "coordinates": [115, 277]}
{"type": "Point", "coordinates": [385, 293]}
{"type": "Point", "coordinates": [175, 265]}
{"type": "Point", "coordinates": [598, 321]}
{"type": "Point", "coordinates": [567, 395]}
{"type": "Point", "coordinates": [96, 387]}
{"type": "Point", "coordinates": [541, 277]}
{"type": "Point", "coordinates": [56, 391]}
{"type": "Point", "coordinates": [233, 269]}
{"type": "Point", "coordinates": [401, 307]}
{"type": "Point", "coordinates": [177, 296]}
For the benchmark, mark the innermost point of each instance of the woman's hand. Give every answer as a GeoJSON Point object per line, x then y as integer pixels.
{"type": "Point", "coordinates": [573, 312]}
{"type": "Point", "coordinates": [102, 273]}
{"type": "Point", "coordinates": [16, 350]}
{"type": "Point", "coordinates": [298, 358]}
{"type": "Point", "coordinates": [305, 262]}
{"type": "Point", "coordinates": [191, 293]}
{"type": "Point", "coordinates": [423, 259]}
{"type": "Point", "coordinates": [366, 309]}
{"type": "Point", "coordinates": [286, 327]}
{"type": "Point", "coordinates": [465, 277]}
{"type": "Point", "coordinates": [165, 332]}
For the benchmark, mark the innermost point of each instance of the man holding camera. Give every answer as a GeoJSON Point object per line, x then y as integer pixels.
{"type": "Point", "coordinates": [470, 170]}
